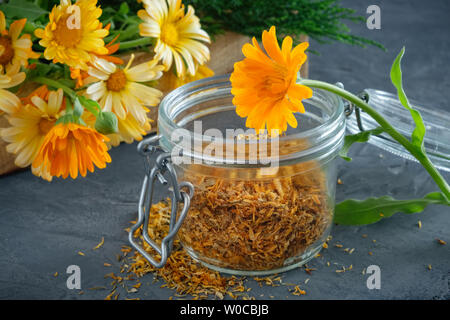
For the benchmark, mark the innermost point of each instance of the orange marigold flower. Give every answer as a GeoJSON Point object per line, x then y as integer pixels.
{"type": "Point", "coordinates": [264, 85]}
{"type": "Point", "coordinates": [72, 148]}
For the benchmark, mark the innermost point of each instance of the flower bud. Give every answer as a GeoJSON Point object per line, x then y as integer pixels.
{"type": "Point", "coordinates": [106, 123]}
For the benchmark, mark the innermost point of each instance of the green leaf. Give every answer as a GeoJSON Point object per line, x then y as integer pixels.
{"type": "Point", "coordinates": [91, 105]}
{"type": "Point", "coordinates": [44, 70]}
{"type": "Point", "coordinates": [371, 210]}
{"type": "Point", "coordinates": [396, 78]}
{"type": "Point", "coordinates": [106, 123]}
{"type": "Point", "coordinates": [124, 9]}
{"type": "Point", "coordinates": [22, 9]}
{"type": "Point", "coordinates": [349, 140]}
{"type": "Point", "coordinates": [77, 108]}
{"type": "Point", "coordinates": [67, 118]}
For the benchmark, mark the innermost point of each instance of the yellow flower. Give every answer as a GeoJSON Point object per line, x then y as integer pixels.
{"type": "Point", "coordinates": [14, 50]}
{"type": "Point", "coordinates": [129, 130]}
{"type": "Point", "coordinates": [170, 81]}
{"type": "Point", "coordinates": [69, 149]}
{"type": "Point", "coordinates": [179, 35]}
{"type": "Point", "coordinates": [80, 75]}
{"type": "Point", "coordinates": [73, 32]}
{"type": "Point", "coordinates": [264, 85]}
{"type": "Point", "coordinates": [8, 100]}
{"type": "Point", "coordinates": [29, 125]}
{"type": "Point", "coordinates": [120, 91]}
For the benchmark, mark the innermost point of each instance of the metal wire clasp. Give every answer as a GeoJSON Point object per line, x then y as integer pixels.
{"type": "Point", "coordinates": [350, 107]}
{"type": "Point", "coordinates": [153, 175]}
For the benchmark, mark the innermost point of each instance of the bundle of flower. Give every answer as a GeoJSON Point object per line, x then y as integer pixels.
{"type": "Point", "coordinates": [85, 99]}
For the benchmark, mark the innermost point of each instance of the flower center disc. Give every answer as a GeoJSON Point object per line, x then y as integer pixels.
{"type": "Point", "coordinates": [46, 124]}
{"type": "Point", "coordinates": [275, 84]}
{"type": "Point", "coordinates": [66, 34]}
{"type": "Point", "coordinates": [169, 34]}
{"type": "Point", "coordinates": [116, 81]}
{"type": "Point", "coordinates": [8, 51]}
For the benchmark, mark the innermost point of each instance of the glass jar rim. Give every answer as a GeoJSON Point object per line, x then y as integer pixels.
{"type": "Point", "coordinates": [330, 132]}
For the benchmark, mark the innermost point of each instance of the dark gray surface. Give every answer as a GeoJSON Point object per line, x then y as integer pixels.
{"type": "Point", "coordinates": [43, 225]}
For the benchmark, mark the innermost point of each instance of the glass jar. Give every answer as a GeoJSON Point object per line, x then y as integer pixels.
{"type": "Point", "coordinates": [244, 217]}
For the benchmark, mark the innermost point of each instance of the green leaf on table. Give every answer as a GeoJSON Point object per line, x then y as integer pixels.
{"type": "Point", "coordinates": [371, 210]}
{"type": "Point", "coordinates": [22, 9]}
{"type": "Point", "coordinates": [349, 140]}
{"type": "Point", "coordinates": [396, 78]}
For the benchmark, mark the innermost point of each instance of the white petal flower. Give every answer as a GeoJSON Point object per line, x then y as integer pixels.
{"type": "Point", "coordinates": [180, 38]}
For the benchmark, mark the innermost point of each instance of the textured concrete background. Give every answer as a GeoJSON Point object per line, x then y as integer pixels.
{"type": "Point", "coordinates": [43, 226]}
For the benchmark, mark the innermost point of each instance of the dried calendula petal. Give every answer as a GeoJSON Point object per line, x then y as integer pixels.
{"type": "Point", "coordinates": [181, 272]}
{"type": "Point", "coordinates": [256, 224]}
{"type": "Point", "coordinates": [250, 225]}
{"type": "Point", "coordinates": [298, 291]}
{"type": "Point", "coordinates": [110, 296]}
{"type": "Point", "coordinates": [100, 244]}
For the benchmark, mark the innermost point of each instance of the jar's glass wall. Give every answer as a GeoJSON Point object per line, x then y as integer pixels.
{"type": "Point", "coordinates": [240, 220]}
{"type": "Point", "coordinates": [254, 226]}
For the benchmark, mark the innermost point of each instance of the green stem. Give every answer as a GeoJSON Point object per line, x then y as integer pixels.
{"type": "Point", "coordinates": [71, 93]}
{"type": "Point", "coordinates": [135, 43]}
{"type": "Point", "coordinates": [388, 128]}
{"type": "Point", "coordinates": [55, 84]}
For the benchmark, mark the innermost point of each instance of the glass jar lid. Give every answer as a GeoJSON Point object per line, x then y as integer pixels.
{"type": "Point", "coordinates": [437, 123]}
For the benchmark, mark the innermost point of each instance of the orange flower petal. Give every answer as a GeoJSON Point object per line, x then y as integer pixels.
{"type": "Point", "coordinates": [69, 149]}
{"type": "Point", "coordinates": [271, 46]}
{"type": "Point", "coordinates": [264, 85]}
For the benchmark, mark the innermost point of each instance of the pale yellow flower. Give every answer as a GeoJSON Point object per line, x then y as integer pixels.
{"type": "Point", "coordinates": [70, 37]}
{"type": "Point", "coordinates": [29, 125]}
{"type": "Point", "coordinates": [180, 38]}
{"type": "Point", "coordinates": [129, 129]}
{"type": "Point", "coordinates": [122, 90]}
{"type": "Point", "coordinates": [170, 81]}
{"type": "Point", "coordinates": [9, 102]}
{"type": "Point", "coordinates": [14, 50]}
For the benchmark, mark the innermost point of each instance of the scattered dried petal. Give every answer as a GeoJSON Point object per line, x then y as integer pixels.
{"type": "Point", "coordinates": [100, 244]}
